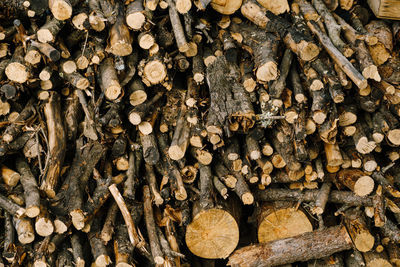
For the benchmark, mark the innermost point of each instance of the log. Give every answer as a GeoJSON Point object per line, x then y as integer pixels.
{"type": "Point", "coordinates": [57, 144]}
{"type": "Point", "coordinates": [362, 238]}
{"type": "Point", "coordinates": [214, 231]}
{"type": "Point", "coordinates": [120, 37]}
{"type": "Point", "coordinates": [279, 220]}
{"type": "Point", "coordinates": [357, 181]}
{"type": "Point", "coordinates": [16, 70]}
{"type": "Point", "coordinates": [303, 247]}
{"type": "Point", "coordinates": [31, 191]}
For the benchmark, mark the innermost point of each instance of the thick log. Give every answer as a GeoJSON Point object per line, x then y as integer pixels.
{"type": "Point", "coordinates": [214, 231]}
{"type": "Point", "coordinates": [311, 245]}
{"type": "Point", "coordinates": [279, 220]}
{"type": "Point", "coordinates": [224, 107]}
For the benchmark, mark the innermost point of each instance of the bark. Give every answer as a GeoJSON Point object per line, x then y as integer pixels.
{"type": "Point", "coordinates": [57, 144]}
{"type": "Point", "coordinates": [151, 227]}
{"type": "Point", "coordinates": [224, 106]}
{"type": "Point", "coordinates": [307, 246]}
{"type": "Point", "coordinates": [345, 65]}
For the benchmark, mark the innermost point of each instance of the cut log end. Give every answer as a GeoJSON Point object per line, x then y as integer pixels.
{"type": "Point", "coordinates": [82, 83]}
{"type": "Point", "coordinates": [45, 36]}
{"type": "Point", "coordinates": [249, 84]}
{"type": "Point", "coordinates": [381, 262]}
{"type": "Point", "coordinates": [204, 157]}
{"type": "Point", "coordinates": [226, 7]}
{"type": "Point", "coordinates": [213, 234]}
{"type": "Point", "coordinates": [103, 260]}
{"type": "Point", "coordinates": [121, 49]}
{"type": "Point", "coordinates": [145, 128]}
{"type": "Point", "coordinates": [17, 72]}
{"type": "Point", "coordinates": [364, 146]}
{"type": "Point", "coordinates": [183, 6]}
{"type": "Point", "coordinates": [112, 92]}
{"type": "Point", "coordinates": [371, 72]}
{"type": "Point", "coordinates": [32, 211]}
{"type": "Point", "coordinates": [62, 10]}
{"type": "Point", "coordinates": [33, 57]}
{"type": "Point", "coordinates": [247, 198]}
{"type": "Point", "coordinates": [183, 48]}
{"type": "Point", "coordinates": [138, 97]}
{"type": "Point", "coordinates": [134, 118]}
{"type": "Point", "coordinates": [26, 237]}
{"type": "Point", "coordinates": [209, 60]}
{"type": "Point", "coordinates": [44, 227]}
{"type": "Point", "coordinates": [78, 219]}
{"type": "Point", "coordinates": [135, 20]}
{"type": "Point", "coordinates": [69, 66]}
{"type": "Point", "coordinates": [254, 155]}
{"type": "Point", "coordinates": [347, 118]}
{"type": "Point", "coordinates": [198, 77]}
{"type": "Point", "coordinates": [181, 194]}
{"type": "Point", "coordinates": [50, 193]}
{"type": "Point", "coordinates": [283, 223]}
{"type": "Point", "coordinates": [96, 23]}
{"type": "Point", "coordinates": [60, 227]}
{"type": "Point", "coordinates": [378, 137]}
{"type": "Point", "coordinates": [267, 72]}
{"type": "Point", "coordinates": [364, 186]}
{"type": "Point", "coordinates": [316, 85]}
{"type": "Point", "coordinates": [364, 241]}
{"type": "Point", "coordinates": [309, 51]}
{"type": "Point", "coordinates": [319, 117]}
{"type": "Point", "coordinates": [146, 41]}
{"type": "Point", "coordinates": [155, 71]}
{"type": "Point", "coordinates": [176, 152]}
{"type": "Point", "coordinates": [394, 136]}
{"type": "Point", "coordinates": [276, 7]}
{"type": "Point", "coordinates": [192, 49]}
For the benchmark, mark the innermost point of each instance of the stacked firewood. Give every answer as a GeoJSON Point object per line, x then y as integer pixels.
{"type": "Point", "coordinates": [198, 133]}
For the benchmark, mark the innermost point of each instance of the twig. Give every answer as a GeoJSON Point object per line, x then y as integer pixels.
{"type": "Point", "coordinates": [136, 240]}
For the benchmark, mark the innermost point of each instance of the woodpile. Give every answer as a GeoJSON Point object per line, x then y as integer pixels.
{"type": "Point", "coordinates": [199, 133]}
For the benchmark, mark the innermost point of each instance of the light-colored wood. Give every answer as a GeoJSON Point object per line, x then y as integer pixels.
{"type": "Point", "coordinates": [276, 7]}
{"type": "Point", "coordinates": [10, 177]}
{"type": "Point", "coordinates": [280, 220]}
{"type": "Point", "coordinates": [183, 6]}
{"type": "Point", "coordinates": [112, 88]}
{"type": "Point", "coordinates": [385, 9]}
{"type": "Point", "coordinates": [44, 225]}
{"type": "Point", "coordinates": [24, 229]}
{"type": "Point", "coordinates": [357, 181]}
{"type": "Point", "coordinates": [154, 72]}
{"type": "Point", "coordinates": [132, 232]}
{"type": "Point", "coordinates": [135, 17]}
{"type": "Point", "coordinates": [358, 230]}
{"type": "Point", "coordinates": [61, 9]}
{"type": "Point", "coordinates": [226, 7]}
{"type": "Point", "coordinates": [333, 155]}
{"type": "Point", "coordinates": [213, 234]}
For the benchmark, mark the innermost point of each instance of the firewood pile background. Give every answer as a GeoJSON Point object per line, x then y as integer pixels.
{"type": "Point", "coordinates": [199, 133]}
